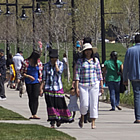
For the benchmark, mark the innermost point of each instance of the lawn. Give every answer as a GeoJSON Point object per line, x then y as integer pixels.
{"type": "Point", "coordinates": [6, 114]}
{"type": "Point", "coordinates": [9, 131]}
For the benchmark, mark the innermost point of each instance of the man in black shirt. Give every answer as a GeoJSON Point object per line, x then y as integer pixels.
{"type": "Point", "coordinates": [2, 74]}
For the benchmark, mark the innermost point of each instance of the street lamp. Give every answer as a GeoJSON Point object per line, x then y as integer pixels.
{"type": "Point", "coordinates": [23, 17]}
{"type": "Point", "coordinates": [1, 11]}
{"type": "Point", "coordinates": [7, 14]}
{"type": "Point", "coordinates": [59, 3]}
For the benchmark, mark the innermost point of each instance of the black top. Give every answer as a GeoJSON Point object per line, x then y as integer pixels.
{"type": "Point", "coordinates": [9, 62]}
{"type": "Point", "coordinates": [3, 67]}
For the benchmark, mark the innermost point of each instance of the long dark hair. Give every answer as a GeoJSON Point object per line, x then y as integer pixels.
{"type": "Point", "coordinates": [84, 56]}
{"type": "Point", "coordinates": [34, 56]}
{"type": "Point", "coordinates": [114, 57]}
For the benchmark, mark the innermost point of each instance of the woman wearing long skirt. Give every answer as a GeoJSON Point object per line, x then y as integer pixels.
{"type": "Point", "coordinates": [54, 95]}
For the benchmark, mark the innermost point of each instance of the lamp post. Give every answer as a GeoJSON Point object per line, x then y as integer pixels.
{"type": "Point", "coordinates": [73, 29]}
{"type": "Point", "coordinates": [16, 5]}
{"type": "Point", "coordinates": [23, 16]}
{"type": "Point", "coordinates": [7, 14]}
{"type": "Point", "coordinates": [103, 32]}
{"type": "Point", "coordinates": [58, 3]}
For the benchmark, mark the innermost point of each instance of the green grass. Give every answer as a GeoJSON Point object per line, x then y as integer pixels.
{"type": "Point", "coordinates": [30, 132]}
{"type": "Point", "coordinates": [6, 114]}
{"type": "Point", "coordinates": [11, 131]}
{"type": "Point", "coordinates": [113, 47]}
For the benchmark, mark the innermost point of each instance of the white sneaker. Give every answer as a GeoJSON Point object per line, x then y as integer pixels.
{"type": "Point", "coordinates": [2, 98]}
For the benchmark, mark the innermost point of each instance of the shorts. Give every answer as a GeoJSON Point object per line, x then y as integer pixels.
{"type": "Point", "coordinates": [18, 75]}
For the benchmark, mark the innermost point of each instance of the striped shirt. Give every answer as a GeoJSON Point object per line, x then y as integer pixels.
{"type": "Point", "coordinates": [88, 73]}
{"type": "Point", "coordinates": [25, 65]}
{"type": "Point", "coordinates": [51, 77]}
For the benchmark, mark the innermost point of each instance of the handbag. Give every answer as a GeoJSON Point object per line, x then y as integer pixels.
{"type": "Point", "coordinates": [122, 86]}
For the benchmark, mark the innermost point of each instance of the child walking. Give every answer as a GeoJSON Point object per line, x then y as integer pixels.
{"type": "Point", "coordinates": [73, 106]}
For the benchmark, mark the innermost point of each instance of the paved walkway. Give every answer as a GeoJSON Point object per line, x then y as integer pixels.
{"type": "Point", "coordinates": [111, 125]}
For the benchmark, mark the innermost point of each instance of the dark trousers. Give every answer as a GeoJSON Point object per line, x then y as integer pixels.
{"type": "Point", "coordinates": [2, 89]}
{"type": "Point", "coordinates": [33, 94]}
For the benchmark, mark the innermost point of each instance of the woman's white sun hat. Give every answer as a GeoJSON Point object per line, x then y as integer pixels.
{"type": "Point", "coordinates": [86, 46]}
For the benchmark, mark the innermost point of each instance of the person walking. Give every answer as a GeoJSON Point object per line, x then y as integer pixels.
{"type": "Point", "coordinates": [18, 59]}
{"type": "Point", "coordinates": [88, 79]}
{"type": "Point", "coordinates": [131, 71]}
{"type": "Point", "coordinates": [2, 74]}
{"type": "Point", "coordinates": [77, 56]}
{"type": "Point", "coordinates": [53, 89]}
{"type": "Point", "coordinates": [111, 71]}
{"type": "Point", "coordinates": [73, 106]}
{"type": "Point", "coordinates": [11, 81]}
{"type": "Point", "coordinates": [32, 71]}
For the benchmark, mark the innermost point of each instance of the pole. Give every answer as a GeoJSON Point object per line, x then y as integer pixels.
{"type": "Point", "coordinates": [7, 41]}
{"type": "Point", "coordinates": [49, 3]}
{"type": "Point", "coordinates": [103, 32]}
{"type": "Point", "coordinates": [139, 15]}
{"type": "Point", "coordinates": [73, 28]}
{"type": "Point", "coordinates": [33, 22]}
{"type": "Point", "coordinates": [17, 26]}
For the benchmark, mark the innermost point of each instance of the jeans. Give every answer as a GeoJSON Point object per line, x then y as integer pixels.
{"type": "Point", "coordinates": [136, 90]}
{"type": "Point", "coordinates": [114, 88]}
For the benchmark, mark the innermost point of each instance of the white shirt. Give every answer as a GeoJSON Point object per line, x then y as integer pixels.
{"type": "Point", "coordinates": [18, 59]}
{"type": "Point", "coordinates": [64, 63]}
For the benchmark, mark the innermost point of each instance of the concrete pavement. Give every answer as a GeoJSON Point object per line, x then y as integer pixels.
{"type": "Point", "coordinates": [111, 125]}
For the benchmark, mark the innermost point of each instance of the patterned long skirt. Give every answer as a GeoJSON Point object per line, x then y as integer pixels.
{"type": "Point", "coordinates": [57, 107]}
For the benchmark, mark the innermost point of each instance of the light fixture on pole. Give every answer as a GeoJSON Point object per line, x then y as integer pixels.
{"type": "Point", "coordinates": [1, 11]}
{"type": "Point", "coordinates": [23, 16]}
{"type": "Point", "coordinates": [59, 3]}
{"type": "Point", "coordinates": [38, 10]}
{"type": "Point", "coordinates": [8, 13]}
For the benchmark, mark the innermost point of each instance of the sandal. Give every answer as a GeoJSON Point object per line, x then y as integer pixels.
{"type": "Point", "coordinates": [93, 127]}
{"type": "Point", "coordinates": [34, 118]}
{"type": "Point", "coordinates": [52, 126]}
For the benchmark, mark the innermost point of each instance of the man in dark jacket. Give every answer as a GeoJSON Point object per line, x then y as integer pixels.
{"type": "Point", "coordinates": [2, 74]}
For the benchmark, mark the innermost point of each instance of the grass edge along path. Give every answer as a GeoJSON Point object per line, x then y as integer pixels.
{"type": "Point", "coordinates": [6, 114]}
{"type": "Point", "coordinates": [11, 131]}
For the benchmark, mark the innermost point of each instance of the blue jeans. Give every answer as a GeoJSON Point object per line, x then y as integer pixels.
{"type": "Point", "coordinates": [136, 90]}
{"type": "Point", "coordinates": [114, 88]}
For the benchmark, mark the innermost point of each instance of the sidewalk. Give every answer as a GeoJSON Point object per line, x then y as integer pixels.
{"type": "Point", "coordinates": [111, 125]}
